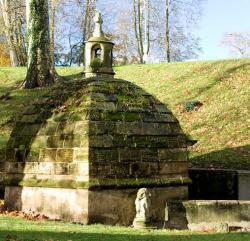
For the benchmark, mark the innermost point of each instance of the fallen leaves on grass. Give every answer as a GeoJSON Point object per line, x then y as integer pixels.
{"type": "Point", "coordinates": [27, 215]}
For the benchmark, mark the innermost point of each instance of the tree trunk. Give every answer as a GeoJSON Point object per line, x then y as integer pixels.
{"type": "Point", "coordinates": [138, 29]}
{"type": "Point", "coordinates": [139, 12]}
{"type": "Point", "coordinates": [20, 37]}
{"type": "Point", "coordinates": [6, 11]}
{"type": "Point", "coordinates": [147, 30]}
{"type": "Point", "coordinates": [52, 29]}
{"type": "Point", "coordinates": [41, 71]}
{"type": "Point", "coordinates": [168, 32]}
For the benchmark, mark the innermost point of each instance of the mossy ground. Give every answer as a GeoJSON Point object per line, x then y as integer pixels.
{"type": "Point", "coordinates": [221, 124]}
{"type": "Point", "coordinates": [16, 228]}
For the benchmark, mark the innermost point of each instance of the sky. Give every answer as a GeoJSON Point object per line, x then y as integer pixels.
{"type": "Point", "coordinates": [220, 17]}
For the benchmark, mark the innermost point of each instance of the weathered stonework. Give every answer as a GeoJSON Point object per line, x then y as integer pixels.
{"type": "Point", "coordinates": [96, 142]}
{"type": "Point", "coordinates": [222, 216]}
{"type": "Point", "coordinates": [95, 136]}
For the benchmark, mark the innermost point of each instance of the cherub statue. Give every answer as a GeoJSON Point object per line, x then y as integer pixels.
{"type": "Point", "coordinates": [142, 205]}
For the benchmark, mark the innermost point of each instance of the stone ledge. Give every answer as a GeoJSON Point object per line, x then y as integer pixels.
{"type": "Point", "coordinates": [208, 215]}
{"type": "Point", "coordinates": [97, 183]}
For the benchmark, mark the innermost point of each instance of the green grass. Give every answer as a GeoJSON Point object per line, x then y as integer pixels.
{"type": "Point", "coordinates": [16, 228]}
{"type": "Point", "coordinates": [221, 125]}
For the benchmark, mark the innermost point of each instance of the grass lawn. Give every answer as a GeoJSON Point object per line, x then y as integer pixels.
{"type": "Point", "coordinates": [16, 228]}
{"type": "Point", "coordinates": [221, 125]}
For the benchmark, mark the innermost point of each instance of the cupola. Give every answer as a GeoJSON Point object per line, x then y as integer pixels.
{"type": "Point", "coordinates": [98, 52]}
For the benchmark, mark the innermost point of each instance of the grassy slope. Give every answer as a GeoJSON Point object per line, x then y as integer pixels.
{"type": "Point", "coordinates": [221, 125]}
{"type": "Point", "coordinates": [23, 230]}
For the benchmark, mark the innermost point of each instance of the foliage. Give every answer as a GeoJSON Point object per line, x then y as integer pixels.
{"type": "Point", "coordinates": [4, 56]}
{"type": "Point", "coordinates": [191, 105]}
{"type": "Point", "coordinates": [96, 64]}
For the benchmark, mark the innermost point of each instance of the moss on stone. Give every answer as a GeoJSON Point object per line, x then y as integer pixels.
{"type": "Point", "coordinates": [97, 183]}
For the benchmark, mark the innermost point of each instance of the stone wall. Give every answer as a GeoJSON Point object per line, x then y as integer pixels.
{"type": "Point", "coordinates": [208, 215]}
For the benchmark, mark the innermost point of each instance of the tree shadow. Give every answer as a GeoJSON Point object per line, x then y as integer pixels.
{"type": "Point", "coordinates": [228, 158]}
{"type": "Point", "coordinates": [7, 235]}
{"type": "Point", "coordinates": [216, 80]}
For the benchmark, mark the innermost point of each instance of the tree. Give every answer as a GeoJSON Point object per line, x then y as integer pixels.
{"type": "Point", "coordinates": [13, 22]}
{"type": "Point", "coordinates": [238, 43]}
{"type": "Point", "coordinates": [180, 17]}
{"type": "Point", "coordinates": [41, 71]}
{"type": "Point", "coordinates": [142, 28]}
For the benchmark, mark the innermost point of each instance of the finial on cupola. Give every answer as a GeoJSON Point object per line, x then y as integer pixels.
{"type": "Point", "coordinates": [99, 52]}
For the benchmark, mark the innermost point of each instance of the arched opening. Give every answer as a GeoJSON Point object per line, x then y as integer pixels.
{"type": "Point", "coordinates": [98, 53]}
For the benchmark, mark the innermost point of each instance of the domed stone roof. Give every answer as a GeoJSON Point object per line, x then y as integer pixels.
{"type": "Point", "coordinates": [97, 133]}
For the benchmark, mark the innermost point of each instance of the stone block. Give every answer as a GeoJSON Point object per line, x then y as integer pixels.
{"type": "Point", "coordinates": [168, 155]}
{"type": "Point", "coordinates": [81, 154]}
{"type": "Point", "coordinates": [49, 129]}
{"type": "Point", "coordinates": [129, 155]}
{"type": "Point", "coordinates": [39, 142]}
{"type": "Point", "coordinates": [120, 170]}
{"type": "Point", "coordinates": [54, 141]}
{"type": "Point", "coordinates": [162, 108]}
{"type": "Point", "coordinates": [14, 167]}
{"type": "Point", "coordinates": [101, 141]}
{"type": "Point", "coordinates": [64, 155]}
{"type": "Point", "coordinates": [103, 155]}
{"type": "Point", "coordinates": [149, 155]}
{"type": "Point", "coordinates": [173, 168]}
{"type": "Point", "coordinates": [20, 155]}
{"type": "Point", "coordinates": [11, 143]}
{"type": "Point", "coordinates": [66, 128]}
{"type": "Point", "coordinates": [104, 106]}
{"type": "Point", "coordinates": [10, 155]}
{"type": "Point", "coordinates": [99, 170]}
{"type": "Point", "coordinates": [61, 169]}
{"type": "Point", "coordinates": [30, 118]}
{"type": "Point", "coordinates": [104, 97]}
{"type": "Point", "coordinates": [33, 155]}
{"type": "Point", "coordinates": [30, 129]}
{"type": "Point", "coordinates": [23, 141]}
{"type": "Point", "coordinates": [176, 129]}
{"type": "Point", "coordinates": [138, 169]}
{"type": "Point", "coordinates": [101, 127]}
{"type": "Point", "coordinates": [81, 169]}
{"type": "Point", "coordinates": [48, 155]}
{"type": "Point", "coordinates": [71, 141]}
{"type": "Point", "coordinates": [46, 168]}
{"type": "Point", "coordinates": [17, 130]}
{"type": "Point", "coordinates": [81, 127]}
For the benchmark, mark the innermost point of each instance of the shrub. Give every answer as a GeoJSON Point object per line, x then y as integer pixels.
{"type": "Point", "coordinates": [191, 105]}
{"type": "Point", "coordinates": [95, 64]}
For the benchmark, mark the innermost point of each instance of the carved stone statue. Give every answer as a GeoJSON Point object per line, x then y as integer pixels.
{"type": "Point", "coordinates": [98, 25]}
{"type": "Point", "coordinates": [142, 205]}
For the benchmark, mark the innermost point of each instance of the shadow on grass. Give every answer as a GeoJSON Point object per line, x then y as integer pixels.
{"type": "Point", "coordinates": [215, 80]}
{"type": "Point", "coordinates": [63, 236]}
{"type": "Point", "coordinates": [228, 158]}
